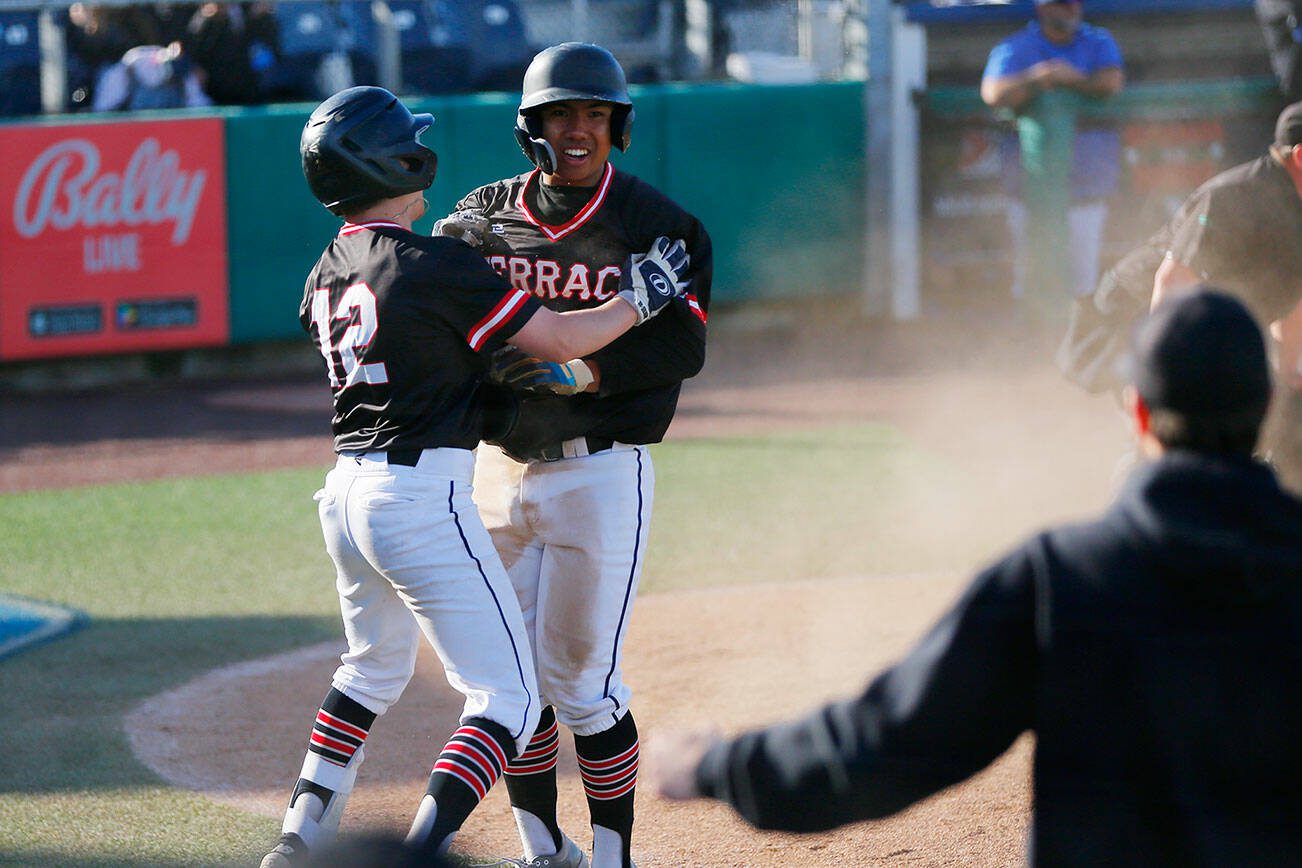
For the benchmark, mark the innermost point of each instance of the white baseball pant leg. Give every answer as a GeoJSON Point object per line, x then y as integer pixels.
{"type": "Point", "coordinates": [413, 558]}
{"type": "Point", "coordinates": [572, 535]}
{"type": "Point", "coordinates": [1085, 223]}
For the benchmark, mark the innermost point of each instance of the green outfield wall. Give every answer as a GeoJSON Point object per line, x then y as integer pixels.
{"type": "Point", "coordinates": [774, 172]}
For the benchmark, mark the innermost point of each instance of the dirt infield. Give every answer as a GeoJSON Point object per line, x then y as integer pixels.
{"type": "Point", "coordinates": [972, 389]}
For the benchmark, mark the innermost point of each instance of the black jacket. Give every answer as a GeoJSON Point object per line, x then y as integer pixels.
{"type": "Point", "coordinates": [1156, 653]}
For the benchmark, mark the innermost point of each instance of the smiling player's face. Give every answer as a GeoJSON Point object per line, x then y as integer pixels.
{"type": "Point", "coordinates": [579, 133]}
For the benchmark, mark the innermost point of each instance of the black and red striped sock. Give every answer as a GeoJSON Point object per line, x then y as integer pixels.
{"type": "Point", "coordinates": [531, 779]}
{"type": "Point", "coordinates": [464, 772]}
{"type": "Point", "coordinates": [608, 765]}
{"type": "Point", "coordinates": [339, 731]}
{"type": "Point", "coordinates": [340, 728]}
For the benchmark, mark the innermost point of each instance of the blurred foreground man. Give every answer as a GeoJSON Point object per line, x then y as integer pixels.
{"type": "Point", "coordinates": [1154, 652]}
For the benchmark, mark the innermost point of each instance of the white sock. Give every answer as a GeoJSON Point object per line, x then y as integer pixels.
{"type": "Point", "coordinates": [607, 848]}
{"type": "Point", "coordinates": [534, 834]}
{"type": "Point", "coordinates": [424, 822]}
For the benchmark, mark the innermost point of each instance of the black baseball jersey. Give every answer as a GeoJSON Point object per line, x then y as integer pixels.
{"type": "Point", "coordinates": [567, 247]}
{"type": "Point", "coordinates": [1240, 232]}
{"type": "Point", "coordinates": [406, 324]}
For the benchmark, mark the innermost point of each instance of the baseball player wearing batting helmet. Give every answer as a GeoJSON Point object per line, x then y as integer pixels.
{"type": "Point", "coordinates": [406, 324]}
{"type": "Point", "coordinates": [1153, 651]}
{"type": "Point", "coordinates": [567, 493]}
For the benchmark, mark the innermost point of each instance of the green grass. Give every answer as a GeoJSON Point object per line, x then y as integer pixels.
{"type": "Point", "coordinates": [836, 502]}
{"type": "Point", "coordinates": [182, 576]}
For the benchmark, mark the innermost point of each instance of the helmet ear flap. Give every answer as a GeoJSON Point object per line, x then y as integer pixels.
{"type": "Point", "coordinates": [528, 134]}
{"type": "Point", "coordinates": [621, 127]}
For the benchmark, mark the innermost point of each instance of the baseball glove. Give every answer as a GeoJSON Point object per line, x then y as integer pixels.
{"type": "Point", "coordinates": [468, 226]}
{"type": "Point", "coordinates": [524, 373]}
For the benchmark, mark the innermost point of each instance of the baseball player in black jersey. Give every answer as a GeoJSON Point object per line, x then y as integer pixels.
{"type": "Point", "coordinates": [567, 493]}
{"type": "Point", "coordinates": [1240, 231]}
{"type": "Point", "coordinates": [406, 325]}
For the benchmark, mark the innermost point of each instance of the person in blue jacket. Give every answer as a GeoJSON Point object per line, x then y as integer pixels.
{"type": "Point", "coordinates": [1154, 652]}
{"type": "Point", "coordinates": [1058, 50]}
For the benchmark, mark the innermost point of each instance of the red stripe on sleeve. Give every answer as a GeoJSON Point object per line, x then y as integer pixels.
{"type": "Point", "coordinates": [486, 327]}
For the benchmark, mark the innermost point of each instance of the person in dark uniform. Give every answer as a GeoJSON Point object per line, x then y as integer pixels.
{"type": "Point", "coordinates": [1154, 652]}
{"type": "Point", "coordinates": [1281, 27]}
{"type": "Point", "coordinates": [1238, 231]}
{"type": "Point", "coordinates": [567, 493]}
{"type": "Point", "coordinates": [406, 324]}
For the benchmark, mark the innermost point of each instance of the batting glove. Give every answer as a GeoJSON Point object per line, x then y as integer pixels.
{"type": "Point", "coordinates": [651, 279]}
{"type": "Point", "coordinates": [467, 226]}
{"type": "Point", "coordinates": [524, 373]}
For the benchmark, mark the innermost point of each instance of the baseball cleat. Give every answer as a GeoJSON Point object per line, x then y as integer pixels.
{"type": "Point", "coordinates": [288, 852]}
{"type": "Point", "coordinates": [569, 856]}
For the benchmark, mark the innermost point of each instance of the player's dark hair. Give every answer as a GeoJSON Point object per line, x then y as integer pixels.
{"type": "Point", "coordinates": [1233, 433]}
{"type": "Point", "coordinates": [1199, 364]}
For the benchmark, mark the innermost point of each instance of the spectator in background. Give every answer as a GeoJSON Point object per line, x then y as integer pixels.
{"type": "Point", "coordinates": [262, 34]}
{"type": "Point", "coordinates": [219, 44]}
{"type": "Point", "coordinates": [172, 20]}
{"type": "Point", "coordinates": [1282, 29]}
{"type": "Point", "coordinates": [1058, 50]}
{"type": "Point", "coordinates": [149, 77]}
{"type": "Point", "coordinates": [97, 37]}
{"type": "Point", "coordinates": [1154, 652]}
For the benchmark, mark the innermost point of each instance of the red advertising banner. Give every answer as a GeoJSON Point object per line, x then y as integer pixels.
{"type": "Point", "coordinates": [112, 238]}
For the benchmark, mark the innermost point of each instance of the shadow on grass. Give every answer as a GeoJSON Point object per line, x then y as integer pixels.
{"type": "Point", "coordinates": [64, 701]}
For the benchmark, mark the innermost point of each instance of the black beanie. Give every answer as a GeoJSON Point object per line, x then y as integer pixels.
{"type": "Point", "coordinates": [1201, 354]}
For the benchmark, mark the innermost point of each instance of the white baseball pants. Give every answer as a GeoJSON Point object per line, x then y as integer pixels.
{"type": "Point", "coordinates": [572, 534]}
{"type": "Point", "coordinates": [413, 558]}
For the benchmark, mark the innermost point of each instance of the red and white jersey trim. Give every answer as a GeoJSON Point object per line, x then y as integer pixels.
{"type": "Point", "coordinates": [486, 327]}
{"type": "Point", "coordinates": [695, 305]}
{"type": "Point", "coordinates": [354, 228]}
{"type": "Point", "coordinates": [556, 233]}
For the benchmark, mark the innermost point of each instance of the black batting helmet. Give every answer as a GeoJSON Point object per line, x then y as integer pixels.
{"type": "Point", "coordinates": [363, 145]}
{"type": "Point", "coordinates": [571, 70]}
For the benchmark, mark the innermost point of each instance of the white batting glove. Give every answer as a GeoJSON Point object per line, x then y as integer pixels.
{"type": "Point", "coordinates": [468, 226]}
{"type": "Point", "coordinates": [650, 280]}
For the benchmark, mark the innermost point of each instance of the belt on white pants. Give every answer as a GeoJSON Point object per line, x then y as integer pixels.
{"type": "Point", "coordinates": [577, 448]}
{"type": "Point", "coordinates": [444, 460]}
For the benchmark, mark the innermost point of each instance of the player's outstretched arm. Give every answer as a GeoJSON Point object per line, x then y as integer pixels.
{"type": "Point", "coordinates": [559, 337]}
{"type": "Point", "coordinates": [1172, 278]}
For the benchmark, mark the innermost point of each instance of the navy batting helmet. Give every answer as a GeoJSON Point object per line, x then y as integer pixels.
{"type": "Point", "coordinates": [571, 70]}
{"type": "Point", "coordinates": [363, 145]}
